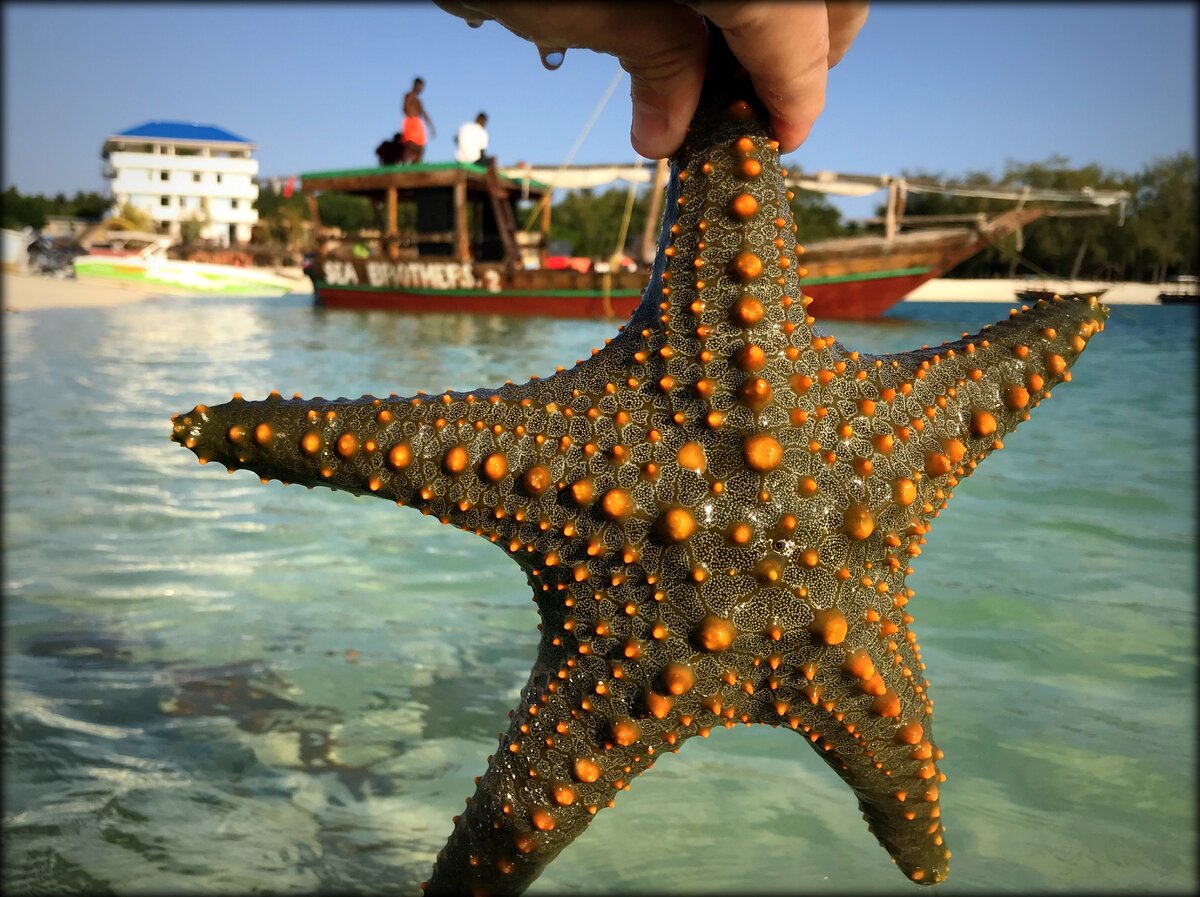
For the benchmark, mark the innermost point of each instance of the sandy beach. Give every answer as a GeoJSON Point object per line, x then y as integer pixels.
{"type": "Point", "coordinates": [945, 289]}
{"type": "Point", "coordinates": [27, 292]}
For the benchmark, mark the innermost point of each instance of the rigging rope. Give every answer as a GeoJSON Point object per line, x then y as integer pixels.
{"type": "Point", "coordinates": [578, 143]}
{"type": "Point", "coordinates": [621, 235]}
{"type": "Point", "coordinates": [1019, 257]}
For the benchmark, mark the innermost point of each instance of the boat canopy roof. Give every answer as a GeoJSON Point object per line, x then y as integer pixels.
{"type": "Point", "coordinates": [406, 177]}
{"type": "Point", "coordinates": [573, 177]}
{"type": "Point", "coordinates": [580, 177]}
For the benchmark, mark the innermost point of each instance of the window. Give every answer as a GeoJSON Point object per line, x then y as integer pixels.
{"type": "Point", "coordinates": [164, 175]}
{"type": "Point", "coordinates": [165, 201]}
{"type": "Point", "coordinates": [233, 203]}
{"type": "Point", "coordinates": [218, 178]}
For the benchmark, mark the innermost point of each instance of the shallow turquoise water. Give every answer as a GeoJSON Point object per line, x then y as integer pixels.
{"type": "Point", "coordinates": [216, 686]}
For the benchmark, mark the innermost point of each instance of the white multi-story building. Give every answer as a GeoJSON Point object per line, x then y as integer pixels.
{"type": "Point", "coordinates": [180, 171]}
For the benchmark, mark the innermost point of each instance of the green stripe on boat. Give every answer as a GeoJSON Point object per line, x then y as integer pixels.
{"type": "Point", "coordinates": [428, 291]}
{"type": "Point", "coordinates": [866, 275]}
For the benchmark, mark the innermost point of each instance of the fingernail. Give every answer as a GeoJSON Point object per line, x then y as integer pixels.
{"type": "Point", "coordinates": [650, 124]}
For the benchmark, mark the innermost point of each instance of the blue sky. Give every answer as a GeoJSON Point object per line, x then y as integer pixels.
{"type": "Point", "coordinates": [936, 87]}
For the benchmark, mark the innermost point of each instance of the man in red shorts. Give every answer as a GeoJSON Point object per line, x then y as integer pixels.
{"type": "Point", "coordinates": [415, 118]}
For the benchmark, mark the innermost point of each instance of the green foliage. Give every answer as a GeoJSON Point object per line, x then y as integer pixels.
{"type": "Point", "coordinates": [350, 213]}
{"type": "Point", "coordinates": [283, 218]}
{"type": "Point", "coordinates": [1163, 219]}
{"type": "Point", "coordinates": [271, 202]}
{"type": "Point", "coordinates": [191, 227]}
{"type": "Point", "coordinates": [33, 210]}
{"type": "Point", "coordinates": [130, 217]}
{"type": "Point", "coordinates": [592, 223]}
{"type": "Point", "coordinates": [817, 218]}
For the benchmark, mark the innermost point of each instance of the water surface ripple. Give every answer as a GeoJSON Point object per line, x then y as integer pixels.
{"type": "Point", "coordinates": [215, 686]}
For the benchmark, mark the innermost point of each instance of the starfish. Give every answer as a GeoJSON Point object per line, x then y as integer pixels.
{"type": "Point", "coordinates": [716, 512]}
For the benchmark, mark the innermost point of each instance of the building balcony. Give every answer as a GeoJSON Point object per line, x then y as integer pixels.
{"type": "Point", "coordinates": [220, 216]}
{"type": "Point", "coordinates": [166, 162]}
{"type": "Point", "coordinates": [188, 187]}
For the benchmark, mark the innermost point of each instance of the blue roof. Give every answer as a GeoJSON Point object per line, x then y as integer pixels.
{"type": "Point", "coordinates": [182, 130]}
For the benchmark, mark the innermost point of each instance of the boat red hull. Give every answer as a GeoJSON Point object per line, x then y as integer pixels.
{"type": "Point", "coordinates": [845, 300]}
{"type": "Point", "coordinates": [858, 299]}
{"type": "Point", "coordinates": [619, 306]}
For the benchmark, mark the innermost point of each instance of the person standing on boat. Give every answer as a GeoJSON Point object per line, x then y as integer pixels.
{"type": "Point", "coordinates": [471, 141]}
{"type": "Point", "coordinates": [415, 119]}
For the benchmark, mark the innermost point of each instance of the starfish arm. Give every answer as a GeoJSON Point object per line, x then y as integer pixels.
{"type": "Point", "coordinates": [571, 746]}
{"type": "Point", "coordinates": [926, 419]}
{"type": "Point", "coordinates": [862, 705]}
{"type": "Point", "coordinates": [487, 461]}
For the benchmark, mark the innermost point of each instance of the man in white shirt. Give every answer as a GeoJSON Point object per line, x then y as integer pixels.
{"type": "Point", "coordinates": [471, 140]}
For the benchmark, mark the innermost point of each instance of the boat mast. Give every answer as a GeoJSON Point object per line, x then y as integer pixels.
{"type": "Point", "coordinates": [650, 231]}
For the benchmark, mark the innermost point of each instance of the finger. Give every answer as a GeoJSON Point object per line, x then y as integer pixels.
{"type": "Point", "coordinates": [462, 11]}
{"type": "Point", "coordinates": [666, 75]}
{"type": "Point", "coordinates": [846, 19]}
{"type": "Point", "coordinates": [471, 16]}
{"type": "Point", "coordinates": [662, 45]}
{"type": "Point", "coordinates": [785, 47]}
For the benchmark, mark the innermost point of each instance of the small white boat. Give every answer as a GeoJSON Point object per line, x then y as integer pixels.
{"type": "Point", "coordinates": [149, 269]}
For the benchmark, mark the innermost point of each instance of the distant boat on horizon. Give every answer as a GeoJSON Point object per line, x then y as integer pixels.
{"type": "Point", "coordinates": [1040, 294]}
{"type": "Point", "coordinates": [1184, 289]}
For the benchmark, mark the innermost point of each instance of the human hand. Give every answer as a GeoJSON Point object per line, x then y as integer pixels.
{"type": "Point", "coordinates": [787, 48]}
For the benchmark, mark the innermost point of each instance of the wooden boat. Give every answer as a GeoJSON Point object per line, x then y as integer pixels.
{"type": "Point", "coordinates": [862, 277]}
{"type": "Point", "coordinates": [460, 251]}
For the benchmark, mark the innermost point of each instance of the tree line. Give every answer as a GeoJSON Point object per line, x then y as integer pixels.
{"type": "Point", "coordinates": [1156, 238]}
{"type": "Point", "coordinates": [18, 211]}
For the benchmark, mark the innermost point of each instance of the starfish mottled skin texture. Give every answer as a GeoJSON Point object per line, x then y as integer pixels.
{"type": "Point", "coordinates": [716, 512]}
